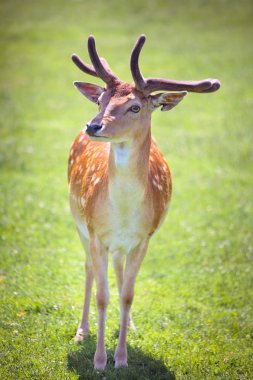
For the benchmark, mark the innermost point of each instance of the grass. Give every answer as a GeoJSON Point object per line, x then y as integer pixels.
{"type": "Point", "coordinates": [193, 303]}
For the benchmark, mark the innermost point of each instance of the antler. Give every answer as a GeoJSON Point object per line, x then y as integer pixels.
{"type": "Point", "coordinates": [100, 67]}
{"type": "Point", "coordinates": [88, 69]}
{"type": "Point", "coordinates": [154, 84]}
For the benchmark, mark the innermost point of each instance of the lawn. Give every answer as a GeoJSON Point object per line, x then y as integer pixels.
{"type": "Point", "coordinates": [193, 302]}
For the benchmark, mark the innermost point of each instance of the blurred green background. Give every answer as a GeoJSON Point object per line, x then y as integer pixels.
{"type": "Point", "coordinates": [193, 303]}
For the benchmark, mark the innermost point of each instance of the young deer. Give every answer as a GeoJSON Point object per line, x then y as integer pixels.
{"type": "Point", "coordinates": [120, 183]}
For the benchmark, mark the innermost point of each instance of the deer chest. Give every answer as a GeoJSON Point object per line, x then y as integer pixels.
{"type": "Point", "coordinates": [127, 222]}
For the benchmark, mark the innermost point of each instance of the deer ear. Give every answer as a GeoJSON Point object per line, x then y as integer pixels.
{"type": "Point", "coordinates": [166, 100]}
{"type": "Point", "coordinates": [91, 91]}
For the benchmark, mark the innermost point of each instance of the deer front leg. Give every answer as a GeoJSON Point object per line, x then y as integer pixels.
{"type": "Point", "coordinates": [83, 328]}
{"type": "Point", "coordinates": [133, 263]}
{"type": "Point", "coordinates": [118, 263]}
{"type": "Point", "coordinates": [99, 258]}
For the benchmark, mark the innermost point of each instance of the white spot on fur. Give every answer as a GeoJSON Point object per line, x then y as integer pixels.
{"type": "Point", "coordinates": [96, 181]}
{"type": "Point", "coordinates": [155, 183]}
{"type": "Point", "coordinates": [81, 138]}
{"type": "Point", "coordinates": [94, 177]}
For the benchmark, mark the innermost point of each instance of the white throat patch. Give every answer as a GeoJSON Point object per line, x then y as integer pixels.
{"type": "Point", "coordinates": [122, 154]}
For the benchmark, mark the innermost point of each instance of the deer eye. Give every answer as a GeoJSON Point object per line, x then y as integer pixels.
{"type": "Point", "coordinates": [135, 108]}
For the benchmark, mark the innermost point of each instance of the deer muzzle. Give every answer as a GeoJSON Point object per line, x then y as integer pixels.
{"type": "Point", "coordinates": [92, 129]}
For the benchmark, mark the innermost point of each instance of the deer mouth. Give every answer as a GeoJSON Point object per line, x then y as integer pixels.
{"type": "Point", "coordinates": [96, 137]}
{"type": "Point", "coordinates": [93, 131]}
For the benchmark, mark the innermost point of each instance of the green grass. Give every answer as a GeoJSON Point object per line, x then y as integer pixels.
{"type": "Point", "coordinates": [193, 302]}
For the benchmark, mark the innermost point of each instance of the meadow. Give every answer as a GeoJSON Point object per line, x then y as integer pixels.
{"type": "Point", "coordinates": [193, 299]}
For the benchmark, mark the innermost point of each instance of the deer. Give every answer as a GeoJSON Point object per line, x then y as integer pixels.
{"type": "Point", "coordinates": [120, 183]}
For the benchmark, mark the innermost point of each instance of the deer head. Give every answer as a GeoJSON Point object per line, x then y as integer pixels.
{"type": "Point", "coordinates": [123, 107]}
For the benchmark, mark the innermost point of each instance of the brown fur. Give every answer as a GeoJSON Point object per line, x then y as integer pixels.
{"type": "Point", "coordinates": [88, 179]}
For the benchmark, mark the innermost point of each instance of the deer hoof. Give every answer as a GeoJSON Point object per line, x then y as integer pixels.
{"type": "Point", "coordinates": [121, 363]}
{"type": "Point", "coordinates": [81, 334]}
{"type": "Point", "coordinates": [120, 358]}
{"type": "Point", "coordinates": [100, 361]}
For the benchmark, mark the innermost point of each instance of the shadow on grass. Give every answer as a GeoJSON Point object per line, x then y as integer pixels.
{"type": "Point", "coordinates": [140, 365]}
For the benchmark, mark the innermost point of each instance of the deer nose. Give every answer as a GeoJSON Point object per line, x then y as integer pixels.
{"type": "Point", "coordinates": [92, 129]}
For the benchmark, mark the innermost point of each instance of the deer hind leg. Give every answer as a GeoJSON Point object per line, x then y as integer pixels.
{"type": "Point", "coordinates": [99, 259]}
{"type": "Point", "coordinates": [118, 263]}
{"type": "Point", "coordinates": [83, 329]}
{"type": "Point", "coordinates": [133, 263]}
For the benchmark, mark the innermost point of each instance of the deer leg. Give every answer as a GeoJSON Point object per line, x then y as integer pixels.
{"type": "Point", "coordinates": [118, 263]}
{"type": "Point", "coordinates": [133, 263]}
{"type": "Point", "coordinates": [99, 259]}
{"type": "Point", "coordinates": [83, 328]}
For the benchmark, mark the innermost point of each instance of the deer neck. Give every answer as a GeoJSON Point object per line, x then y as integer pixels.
{"type": "Point", "coordinates": [130, 160]}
